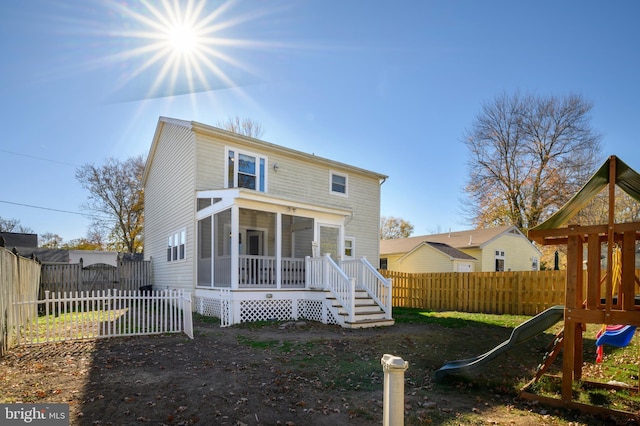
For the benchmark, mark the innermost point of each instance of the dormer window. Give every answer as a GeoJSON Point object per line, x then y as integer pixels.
{"type": "Point", "coordinates": [245, 170]}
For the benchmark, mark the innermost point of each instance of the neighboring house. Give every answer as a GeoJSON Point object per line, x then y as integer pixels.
{"type": "Point", "coordinates": [91, 257]}
{"type": "Point", "coordinates": [26, 245]}
{"type": "Point", "coordinates": [503, 248]}
{"type": "Point", "coordinates": [257, 231]}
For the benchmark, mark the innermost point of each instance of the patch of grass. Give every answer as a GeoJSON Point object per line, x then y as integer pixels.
{"type": "Point", "coordinates": [453, 319]}
{"type": "Point", "coordinates": [205, 318]}
{"type": "Point", "coordinates": [258, 344]}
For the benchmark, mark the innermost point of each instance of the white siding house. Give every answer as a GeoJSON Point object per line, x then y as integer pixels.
{"type": "Point", "coordinates": [259, 231]}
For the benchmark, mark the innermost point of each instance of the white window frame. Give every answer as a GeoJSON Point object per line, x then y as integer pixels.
{"type": "Point", "coordinates": [177, 246]}
{"type": "Point", "coordinates": [499, 255]}
{"type": "Point", "coordinates": [333, 173]}
{"type": "Point", "coordinates": [261, 181]}
{"type": "Point", "coordinates": [350, 243]}
{"type": "Point", "coordinates": [535, 264]}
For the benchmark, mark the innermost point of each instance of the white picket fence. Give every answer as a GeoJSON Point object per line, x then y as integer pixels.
{"type": "Point", "coordinates": [100, 314]}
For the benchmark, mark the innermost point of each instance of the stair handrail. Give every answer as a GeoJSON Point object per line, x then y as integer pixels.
{"type": "Point", "coordinates": [368, 278]}
{"type": "Point", "coordinates": [333, 279]}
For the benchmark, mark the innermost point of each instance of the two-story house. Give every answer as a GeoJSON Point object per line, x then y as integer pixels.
{"type": "Point", "coordinates": [258, 231]}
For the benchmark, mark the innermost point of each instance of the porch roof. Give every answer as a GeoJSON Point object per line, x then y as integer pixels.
{"type": "Point", "coordinates": [231, 196]}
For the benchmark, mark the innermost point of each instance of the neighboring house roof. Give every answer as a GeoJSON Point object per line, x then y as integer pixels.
{"type": "Point", "coordinates": [475, 238]}
{"type": "Point", "coordinates": [625, 177]}
{"type": "Point", "coordinates": [447, 250]}
{"type": "Point", "coordinates": [19, 239]}
{"type": "Point", "coordinates": [230, 136]}
{"type": "Point", "coordinates": [44, 255]}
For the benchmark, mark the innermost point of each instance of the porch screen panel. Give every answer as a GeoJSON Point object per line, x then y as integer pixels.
{"type": "Point", "coordinates": [329, 241]}
{"type": "Point", "coordinates": [222, 249]}
{"type": "Point", "coordinates": [302, 236]}
{"type": "Point", "coordinates": [204, 252]}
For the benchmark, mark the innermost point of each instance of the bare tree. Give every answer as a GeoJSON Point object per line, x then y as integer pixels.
{"type": "Point", "coordinates": [527, 156]}
{"type": "Point", "coordinates": [116, 194]}
{"type": "Point", "coordinates": [392, 228]}
{"type": "Point", "coordinates": [13, 225]}
{"type": "Point", "coordinates": [242, 126]}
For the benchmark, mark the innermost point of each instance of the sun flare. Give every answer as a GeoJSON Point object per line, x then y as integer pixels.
{"type": "Point", "coordinates": [178, 47]}
{"type": "Point", "coordinates": [182, 38]}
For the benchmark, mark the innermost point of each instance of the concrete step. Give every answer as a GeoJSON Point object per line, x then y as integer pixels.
{"type": "Point", "coordinates": [369, 323]}
{"type": "Point", "coordinates": [365, 315]}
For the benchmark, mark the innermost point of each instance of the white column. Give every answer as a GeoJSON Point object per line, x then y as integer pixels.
{"type": "Point", "coordinates": [278, 250]}
{"type": "Point", "coordinates": [393, 408]}
{"type": "Point", "coordinates": [235, 244]}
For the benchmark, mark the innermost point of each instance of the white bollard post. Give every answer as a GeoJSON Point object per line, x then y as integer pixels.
{"type": "Point", "coordinates": [393, 409]}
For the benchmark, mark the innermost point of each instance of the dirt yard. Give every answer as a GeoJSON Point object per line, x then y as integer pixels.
{"type": "Point", "coordinates": [276, 374]}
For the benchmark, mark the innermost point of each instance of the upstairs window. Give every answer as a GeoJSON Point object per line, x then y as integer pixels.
{"type": "Point", "coordinates": [338, 183]}
{"type": "Point", "coordinates": [245, 170]}
{"type": "Point", "coordinates": [176, 246]}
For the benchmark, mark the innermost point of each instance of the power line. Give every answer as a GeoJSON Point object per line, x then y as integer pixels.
{"type": "Point", "coordinates": [39, 158]}
{"type": "Point", "coordinates": [54, 210]}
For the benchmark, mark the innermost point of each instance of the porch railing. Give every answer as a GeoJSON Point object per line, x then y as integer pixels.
{"type": "Point", "coordinates": [368, 278]}
{"type": "Point", "coordinates": [260, 272]}
{"type": "Point", "coordinates": [292, 273]}
{"type": "Point", "coordinates": [324, 273]}
{"type": "Point", "coordinates": [257, 271]}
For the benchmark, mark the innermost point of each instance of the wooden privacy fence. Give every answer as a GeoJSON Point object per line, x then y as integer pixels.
{"type": "Point", "coordinates": [19, 279]}
{"type": "Point", "coordinates": [513, 292]}
{"type": "Point", "coordinates": [105, 313]}
{"type": "Point", "coordinates": [74, 277]}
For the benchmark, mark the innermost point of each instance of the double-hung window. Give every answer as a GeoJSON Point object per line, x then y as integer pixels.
{"type": "Point", "coordinates": [176, 245]}
{"type": "Point", "coordinates": [338, 183]}
{"type": "Point", "coordinates": [245, 170]}
{"type": "Point", "coordinates": [349, 248]}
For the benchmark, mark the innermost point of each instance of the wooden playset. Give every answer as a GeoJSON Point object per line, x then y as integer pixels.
{"type": "Point", "coordinates": [595, 294]}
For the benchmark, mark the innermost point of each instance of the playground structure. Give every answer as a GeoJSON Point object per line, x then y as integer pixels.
{"type": "Point", "coordinates": [520, 334]}
{"type": "Point", "coordinates": [593, 294]}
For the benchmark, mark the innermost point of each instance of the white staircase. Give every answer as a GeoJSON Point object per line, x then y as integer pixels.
{"type": "Point", "coordinates": [367, 312]}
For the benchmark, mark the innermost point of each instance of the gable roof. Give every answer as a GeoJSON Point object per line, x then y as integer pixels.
{"type": "Point", "coordinates": [258, 143]}
{"type": "Point", "coordinates": [475, 238]}
{"type": "Point", "coordinates": [449, 251]}
{"type": "Point", "coordinates": [623, 176]}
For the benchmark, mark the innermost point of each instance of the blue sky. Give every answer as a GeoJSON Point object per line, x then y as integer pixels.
{"type": "Point", "coordinates": [385, 86]}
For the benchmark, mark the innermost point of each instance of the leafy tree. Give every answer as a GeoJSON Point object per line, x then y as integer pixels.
{"type": "Point", "coordinates": [527, 156]}
{"type": "Point", "coordinates": [626, 209]}
{"type": "Point", "coordinates": [242, 126]}
{"type": "Point", "coordinates": [50, 240]}
{"type": "Point", "coordinates": [392, 228]}
{"type": "Point", "coordinates": [116, 197]}
{"type": "Point", "coordinates": [81, 244]}
{"type": "Point", "coordinates": [13, 225]}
